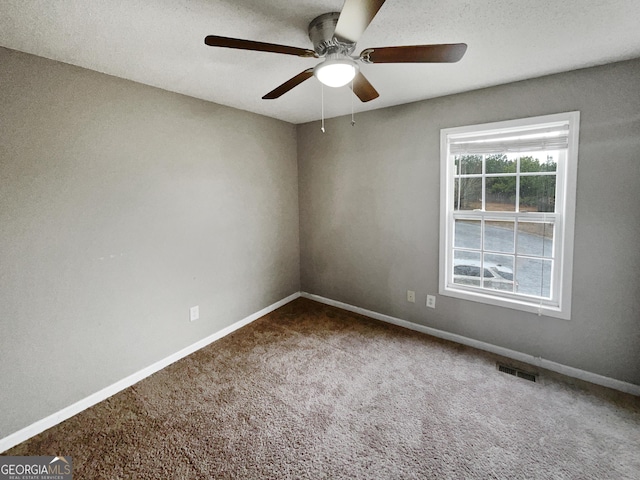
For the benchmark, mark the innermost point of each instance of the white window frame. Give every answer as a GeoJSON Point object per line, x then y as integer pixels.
{"type": "Point", "coordinates": [564, 219]}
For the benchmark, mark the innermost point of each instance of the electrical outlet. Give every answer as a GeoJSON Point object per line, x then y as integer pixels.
{"type": "Point", "coordinates": [411, 296]}
{"type": "Point", "coordinates": [194, 313]}
{"type": "Point", "coordinates": [431, 301]}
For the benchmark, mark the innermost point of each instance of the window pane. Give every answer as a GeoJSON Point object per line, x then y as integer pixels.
{"type": "Point", "coordinates": [538, 162]}
{"type": "Point", "coordinates": [535, 238]}
{"type": "Point", "coordinates": [538, 193]}
{"type": "Point", "coordinates": [468, 194]}
{"type": "Point", "coordinates": [466, 268]}
{"type": "Point", "coordinates": [533, 277]}
{"type": "Point", "coordinates": [498, 236]}
{"type": "Point", "coordinates": [467, 234]}
{"type": "Point", "coordinates": [501, 272]}
{"type": "Point", "coordinates": [501, 194]}
{"type": "Point", "coordinates": [469, 164]}
{"type": "Point", "coordinates": [500, 164]}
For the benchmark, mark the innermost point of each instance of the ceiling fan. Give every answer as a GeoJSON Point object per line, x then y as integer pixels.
{"type": "Point", "coordinates": [334, 36]}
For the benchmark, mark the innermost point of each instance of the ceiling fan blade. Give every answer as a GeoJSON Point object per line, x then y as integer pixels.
{"type": "Point", "coordinates": [443, 53]}
{"type": "Point", "coordinates": [363, 89]}
{"type": "Point", "coordinates": [289, 84]}
{"type": "Point", "coordinates": [216, 41]}
{"type": "Point", "coordinates": [355, 17]}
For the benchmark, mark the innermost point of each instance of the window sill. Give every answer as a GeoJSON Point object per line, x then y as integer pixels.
{"type": "Point", "coordinates": [515, 304]}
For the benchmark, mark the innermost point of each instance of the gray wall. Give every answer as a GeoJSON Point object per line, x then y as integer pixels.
{"type": "Point", "coordinates": [369, 216]}
{"type": "Point", "coordinates": [121, 206]}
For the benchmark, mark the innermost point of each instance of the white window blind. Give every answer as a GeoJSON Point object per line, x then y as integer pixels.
{"type": "Point", "coordinates": [529, 140]}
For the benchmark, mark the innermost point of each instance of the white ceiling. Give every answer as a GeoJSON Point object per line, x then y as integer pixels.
{"type": "Point", "coordinates": [160, 43]}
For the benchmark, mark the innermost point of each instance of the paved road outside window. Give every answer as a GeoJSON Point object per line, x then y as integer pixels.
{"type": "Point", "coordinates": [532, 275]}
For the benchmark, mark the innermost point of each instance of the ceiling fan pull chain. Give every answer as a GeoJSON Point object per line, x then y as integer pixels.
{"type": "Point", "coordinates": [353, 120]}
{"type": "Point", "coordinates": [322, 90]}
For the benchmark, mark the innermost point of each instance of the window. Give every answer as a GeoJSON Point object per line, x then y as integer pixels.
{"type": "Point", "coordinates": [507, 212]}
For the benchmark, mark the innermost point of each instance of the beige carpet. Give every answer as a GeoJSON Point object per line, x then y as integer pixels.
{"type": "Point", "coordinates": [310, 391]}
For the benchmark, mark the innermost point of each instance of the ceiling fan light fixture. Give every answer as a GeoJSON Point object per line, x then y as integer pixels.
{"type": "Point", "coordinates": [336, 72]}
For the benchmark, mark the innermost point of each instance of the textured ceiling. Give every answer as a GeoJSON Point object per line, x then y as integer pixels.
{"type": "Point", "coordinates": [160, 43]}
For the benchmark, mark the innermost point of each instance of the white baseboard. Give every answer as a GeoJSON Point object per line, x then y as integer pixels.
{"type": "Point", "coordinates": [68, 412]}
{"type": "Point", "coordinates": [505, 352]}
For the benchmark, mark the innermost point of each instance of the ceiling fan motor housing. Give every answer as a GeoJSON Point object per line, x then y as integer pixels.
{"type": "Point", "coordinates": [321, 30]}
